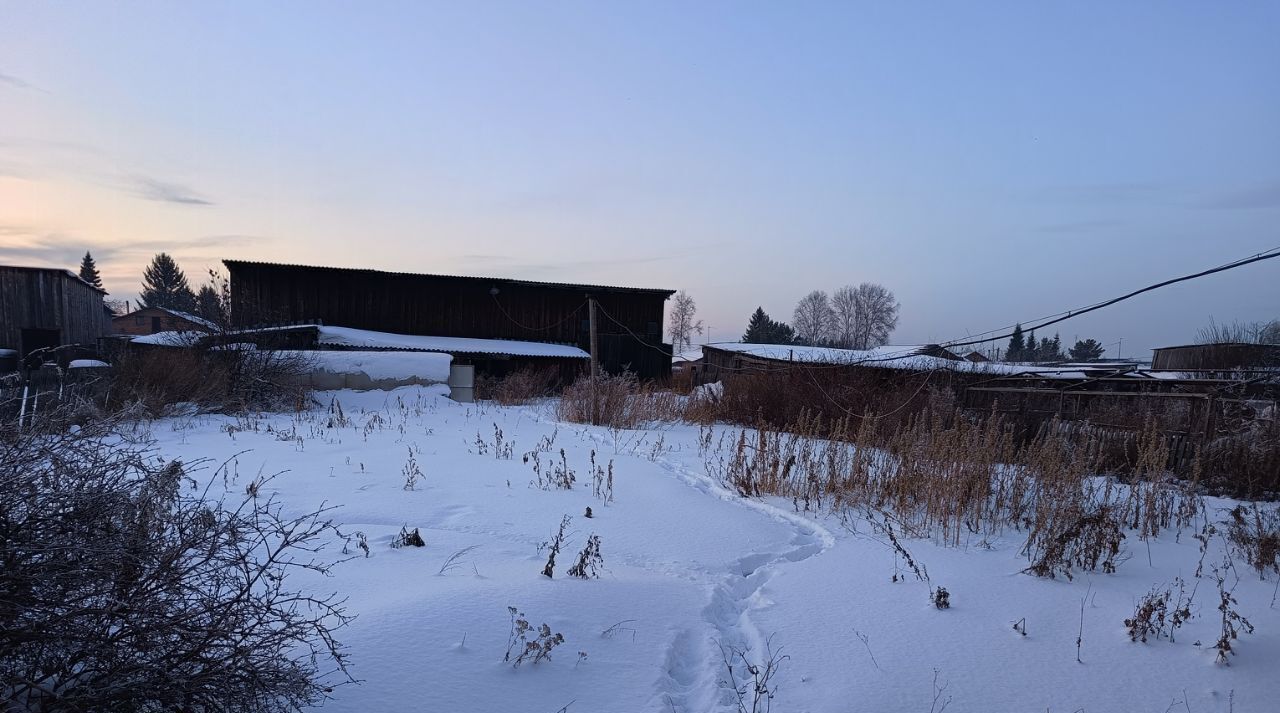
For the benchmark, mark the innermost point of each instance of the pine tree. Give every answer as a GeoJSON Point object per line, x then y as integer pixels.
{"type": "Point", "coordinates": [1030, 352]}
{"type": "Point", "coordinates": [89, 271]}
{"type": "Point", "coordinates": [1017, 346]}
{"type": "Point", "coordinates": [781, 333]}
{"type": "Point", "coordinates": [209, 305]}
{"type": "Point", "coordinates": [761, 329]}
{"type": "Point", "coordinates": [164, 285]}
{"type": "Point", "coordinates": [1087, 350]}
{"type": "Point", "coordinates": [757, 328]}
{"type": "Point", "coordinates": [1055, 348]}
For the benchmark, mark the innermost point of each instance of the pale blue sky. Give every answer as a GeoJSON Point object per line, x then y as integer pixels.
{"type": "Point", "coordinates": [989, 162]}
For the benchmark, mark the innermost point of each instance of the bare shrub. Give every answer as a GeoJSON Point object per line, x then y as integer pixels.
{"type": "Point", "coordinates": [1088, 540]}
{"type": "Point", "coordinates": [123, 589]}
{"type": "Point", "coordinates": [519, 387]}
{"type": "Point", "coordinates": [1159, 614]}
{"type": "Point", "coordinates": [752, 679]}
{"type": "Point", "coordinates": [1255, 533]}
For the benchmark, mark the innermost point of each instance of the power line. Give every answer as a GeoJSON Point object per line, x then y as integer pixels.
{"type": "Point", "coordinates": [548, 327]}
{"type": "Point", "coordinates": [1063, 316]}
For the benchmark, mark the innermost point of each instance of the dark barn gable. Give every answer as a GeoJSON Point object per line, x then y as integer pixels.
{"type": "Point", "coordinates": [454, 306]}
{"type": "Point", "coordinates": [46, 307]}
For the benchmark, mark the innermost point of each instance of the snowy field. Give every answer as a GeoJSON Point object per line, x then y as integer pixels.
{"type": "Point", "coordinates": [689, 567]}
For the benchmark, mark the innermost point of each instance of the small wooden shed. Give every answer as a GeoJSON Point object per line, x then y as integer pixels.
{"type": "Point", "coordinates": [44, 308]}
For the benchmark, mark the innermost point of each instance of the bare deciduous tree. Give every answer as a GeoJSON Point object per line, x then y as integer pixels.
{"type": "Point", "coordinates": [1240, 332]}
{"type": "Point", "coordinates": [875, 315]}
{"type": "Point", "coordinates": [121, 588]}
{"type": "Point", "coordinates": [682, 324]}
{"type": "Point", "coordinates": [844, 309]}
{"type": "Point", "coordinates": [813, 319]}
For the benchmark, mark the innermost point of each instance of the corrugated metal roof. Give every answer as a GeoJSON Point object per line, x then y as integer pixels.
{"type": "Point", "coordinates": [474, 278]}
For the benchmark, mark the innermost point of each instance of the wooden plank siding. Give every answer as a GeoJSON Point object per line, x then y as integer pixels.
{"type": "Point", "coordinates": [452, 306]}
{"type": "Point", "coordinates": [49, 299]}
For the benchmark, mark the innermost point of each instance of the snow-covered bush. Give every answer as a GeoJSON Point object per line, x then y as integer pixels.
{"type": "Point", "coordinates": [124, 589]}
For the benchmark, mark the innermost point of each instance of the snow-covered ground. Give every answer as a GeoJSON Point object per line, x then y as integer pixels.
{"type": "Point", "coordinates": [689, 566]}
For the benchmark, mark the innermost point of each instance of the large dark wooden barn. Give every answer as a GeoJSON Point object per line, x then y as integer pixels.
{"type": "Point", "coordinates": [43, 308]}
{"type": "Point", "coordinates": [629, 319]}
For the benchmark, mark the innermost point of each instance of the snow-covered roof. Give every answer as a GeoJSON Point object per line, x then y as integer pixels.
{"type": "Point", "coordinates": [366, 339]}
{"type": "Point", "coordinates": [693, 353]}
{"type": "Point", "coordinates": [169, 339]}
{"type": "Point", "coordinates": [207, 324]}
{"type": "Point", "coordinates": [889, 357]}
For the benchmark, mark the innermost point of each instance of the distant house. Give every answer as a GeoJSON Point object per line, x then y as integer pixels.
{"type": "Point", "coordinates": [976, 357]}
{"type": "Point", "coordinates": [495, 324]}
{"type": "Point", "coordinates": [153, 320]}
{"type": "Point", "coordinates": [45, 308]}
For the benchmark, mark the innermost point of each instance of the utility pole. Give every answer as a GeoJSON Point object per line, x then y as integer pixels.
{"type": "Point", "coordinates": [595, 360]}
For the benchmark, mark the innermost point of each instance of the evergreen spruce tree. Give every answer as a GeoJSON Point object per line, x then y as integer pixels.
{"type": "Point", "coordinates": [1016, 345]}
{"type": "Point", "coordinates": [1087, 350]}
{"type": "Point", "coordinates": [761, 329]}
{"type": "Point", "coordinates": [757, 328]}
{"type": "Point", "coordinates": [1030, 352]}
{"type": "Point", "coordinates": [164, 285]}
{"type": "Point", "coordinates": [209, 305]}
{"type": "Point", "coordinates": [781, 333]}
{"type": "Point", "coordinates": [89, 271]}
{"type": "Point", "coordinates": [1055, 348]}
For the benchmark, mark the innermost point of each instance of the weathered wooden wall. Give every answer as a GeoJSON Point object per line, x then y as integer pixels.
{"type": "Point", "coordinates": [33, 298]}
{"type": "Point", "coordinates": [449, 306]}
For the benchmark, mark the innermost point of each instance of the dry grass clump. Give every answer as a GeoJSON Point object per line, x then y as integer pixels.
{"type": "Point", "coordinates": [617, 401]}
{"type": "Point", "coordinates": [214, 379]}
{"type": "Point", "coordinates": [953, 476]}
{"type": "Point", "coordinates": [519, 387]}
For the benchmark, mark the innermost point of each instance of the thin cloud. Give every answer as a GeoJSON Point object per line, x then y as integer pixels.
{"type": "Point", "coordinates": [156, 190]}
{"type": "Point", "coordinates": [66, 250]}
{"type": "Point", "coordinates": [19, 83]}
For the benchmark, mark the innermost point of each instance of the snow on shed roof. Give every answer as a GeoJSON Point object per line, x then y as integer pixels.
{"type": "Point", "coordinates": [363, 338]}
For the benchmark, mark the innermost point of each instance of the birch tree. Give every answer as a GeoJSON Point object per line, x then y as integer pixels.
{"type": "Point", "coordinates": [683, 323]}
